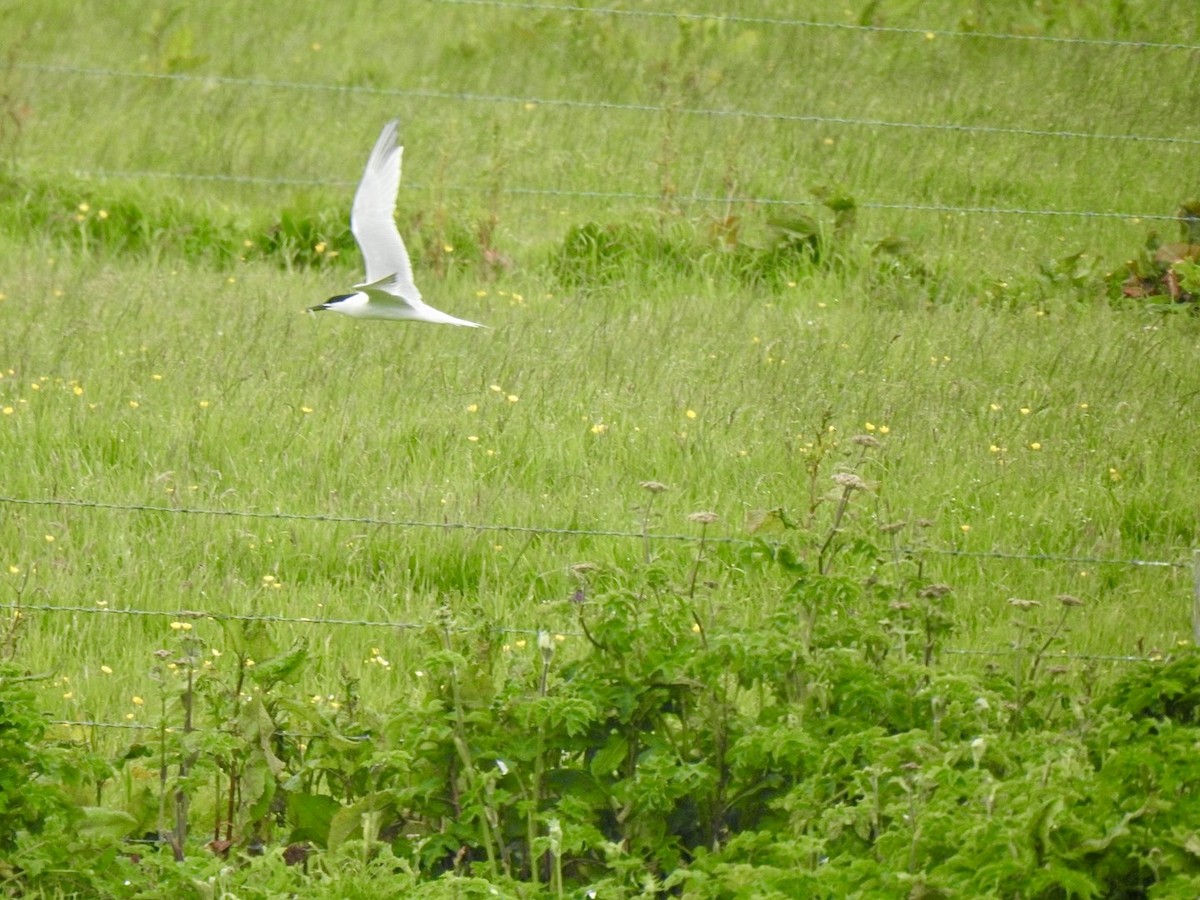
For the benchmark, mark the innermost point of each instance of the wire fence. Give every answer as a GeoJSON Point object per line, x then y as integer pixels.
{"type": "Point", "coordinates": [550, 531]}
{"type": "Point", "coordinates": [851, 27]}
{"type": "Point", "coordinates": [639, 195]}
{"type": "Point", "coordinates": [482, 527]}
{"type": "Point", "coordinates": [21, 608]}
{"type": "Point", "coordinates": [209, 81]}
{"type": "Point", "coordinates": [194, 615]}
{"type": "Point", "coordinates": [601, 105]}
{"type": "Point", "coordinates": [540, 100]}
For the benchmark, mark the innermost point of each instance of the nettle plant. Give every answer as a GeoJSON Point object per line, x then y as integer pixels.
{"type": "Point", "coordinates": [657, 744]}
{"type": "Point", "coordinates": [626, 761]}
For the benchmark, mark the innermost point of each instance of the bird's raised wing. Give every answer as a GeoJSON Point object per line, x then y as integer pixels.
{"type": "Point", "coordinates": [372, 217]}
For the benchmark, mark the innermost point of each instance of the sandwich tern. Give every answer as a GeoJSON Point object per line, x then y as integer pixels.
{"type": "Point", "coordinates": [388, 291]}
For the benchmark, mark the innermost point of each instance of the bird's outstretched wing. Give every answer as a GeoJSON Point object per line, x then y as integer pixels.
{"type": "Point", "coordinates": [372, 218]}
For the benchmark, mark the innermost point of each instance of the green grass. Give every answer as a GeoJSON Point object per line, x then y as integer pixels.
{"type": "Point", "coordinates": [242, 403]}
{"type": "Point", "coordinates": [156, 355]}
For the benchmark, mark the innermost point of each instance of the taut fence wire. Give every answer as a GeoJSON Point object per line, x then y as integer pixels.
{"type": "Point", "coordinates": [548, 530]}
{"type": "Point", "coordinates": [634, 195]}
{"type": "Point", "coordinates": [924, 33]}
{"type": "Point", "coordinates": [594, 105]}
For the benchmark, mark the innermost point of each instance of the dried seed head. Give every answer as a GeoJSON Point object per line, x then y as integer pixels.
{"type": "Point", "coordinates": [899, 605]}
{"type": "Point", "coordinates": [925, 523]}
{"type": "Point", "coordinates": [704, 518]}
{"type": "Point", "coordinates": [934, 590]}
{"type": "Point", "coordinates": [1023, 604]}
{"type": "Point", "coordinates": [865, 440]}
{"type": "Point", "coordinates": [545, 647]}
{"type": "Point", "coordinates": [654, 487]}
{"type": "Point", "coordinates": [583, 568]}
{"type": "Point", "coordinates": [1057, 670]}
{"type": "Point", "coordinates": [850, 481]}
{"type": "Point", "coordinates": [892, 527]}
{"type": "Point", "coordinates": [978, 749]}
{"type": "Point", "coordinates": [1068, 600]}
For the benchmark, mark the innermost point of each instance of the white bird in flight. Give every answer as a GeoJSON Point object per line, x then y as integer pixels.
{"type": "Point", "coordinates": [388, 291]}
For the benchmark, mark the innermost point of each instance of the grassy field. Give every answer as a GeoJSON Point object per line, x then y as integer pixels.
{"type": "Point", "coordinates": [606, 193]}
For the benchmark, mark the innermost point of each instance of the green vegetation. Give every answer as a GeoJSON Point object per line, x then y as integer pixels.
{"type": "Point", "coordinates": [771, 541]}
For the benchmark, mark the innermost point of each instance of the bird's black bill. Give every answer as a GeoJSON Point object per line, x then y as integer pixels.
{"type": "Point", "coordinates": [330, 303]}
